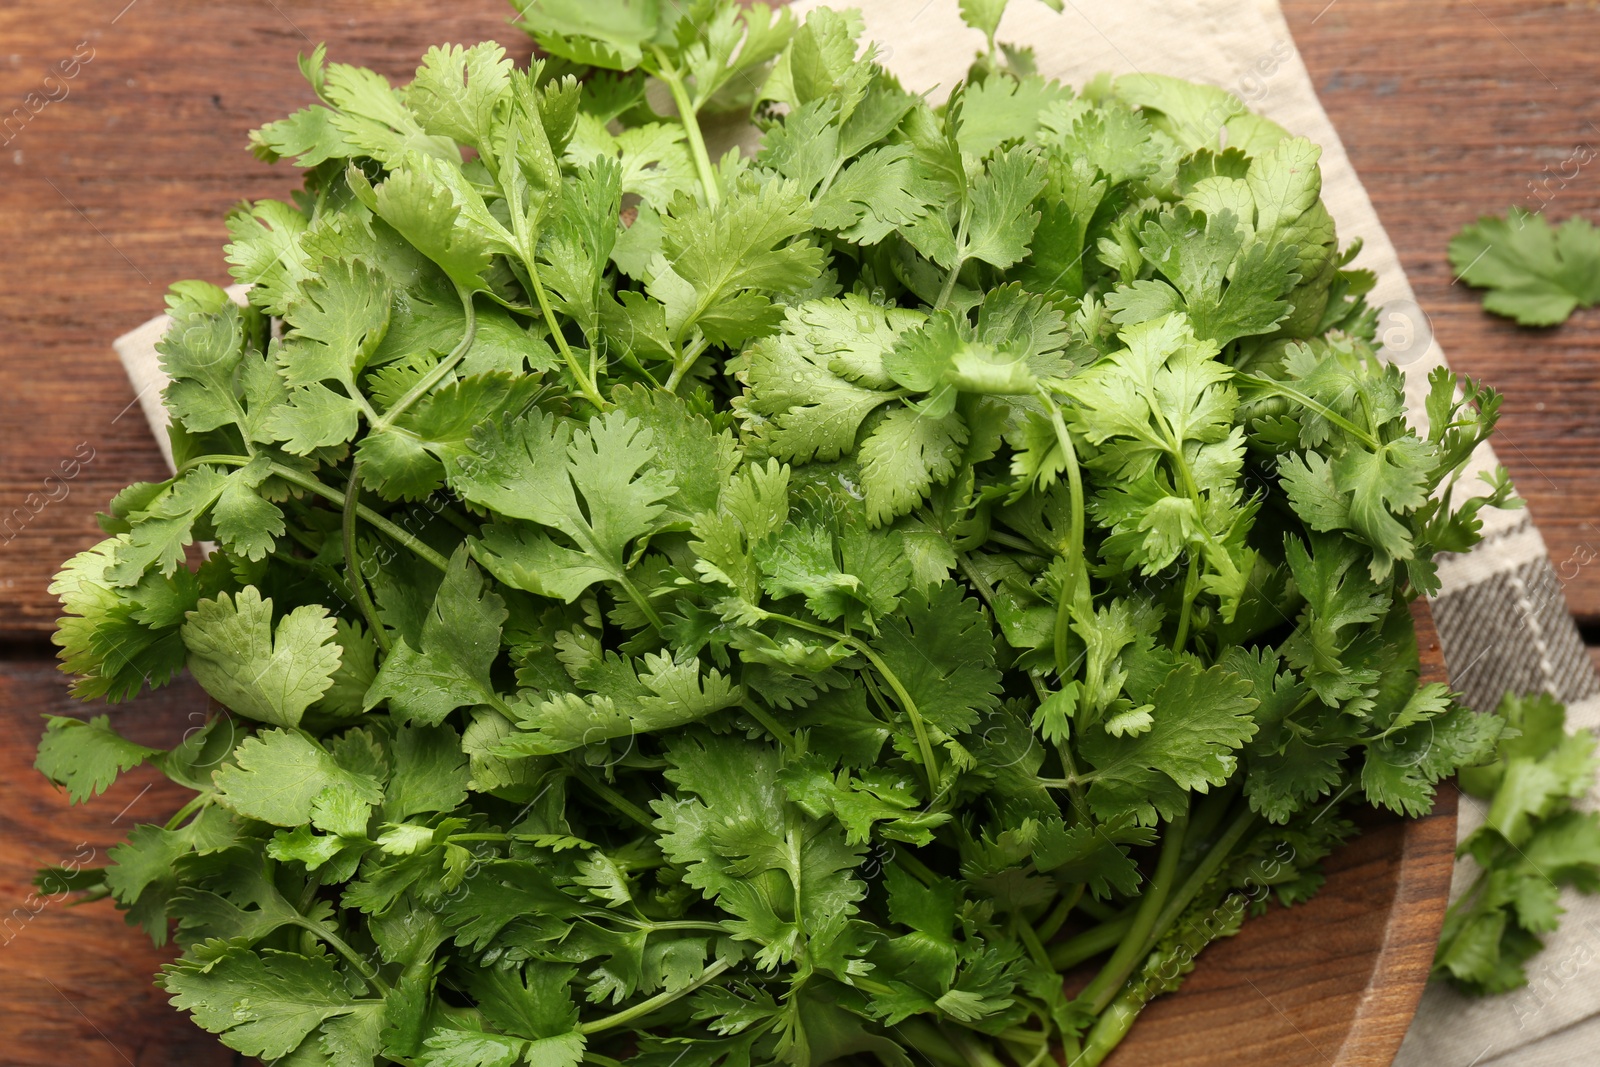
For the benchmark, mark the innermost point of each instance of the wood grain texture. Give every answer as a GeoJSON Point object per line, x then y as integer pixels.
{"type": "Point", "coordinates": [1334, 981]}
{"type": "Point", "coordinates": [120, 187]}
{"type": "Point", "coordinates": [1451, 110]}
{"type": "Point", "coordinates": [75, 982]}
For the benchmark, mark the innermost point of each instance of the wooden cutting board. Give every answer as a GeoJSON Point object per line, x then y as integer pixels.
{"type": "Point", "coordinates": [118, 185]}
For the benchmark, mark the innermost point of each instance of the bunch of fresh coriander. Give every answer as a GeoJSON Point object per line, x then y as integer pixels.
{"type": "Point", "coordinates": [777, 608]}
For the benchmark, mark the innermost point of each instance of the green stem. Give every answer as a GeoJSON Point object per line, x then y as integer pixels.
{"type": "Point", "coordinates": [918, 727]}
{"type": "Point", "coordinates": [1109, 1030]}
{"type": "Point", "coordinates": [641, 602]}
{"type": "Point", "coordinates": [437, 372]}
{"type": "Point", "coordinates": [1093, 941]}
{"type": "Point", "coordinates": [621, 803]}
{"type": "Point", "coordinates": [979, 586]}
{"type": "Point", "coordinates": [335, 942]}
{"type": "Point", "coordinates": [976, 1055]}
{"type": "Point", "coordinates": [684, 363]}
{"type": "Point", "coordinates": [928, 1041]}
{"type": "Point", "coordinates": [196, 802]}
{"type": "Point", "coordinates": [1016, 544]}
{"type": "Point", "coordinates": [691, 127]}
{"type": "Point", "coordinates": [949, 287]}
{"type": "Point", "coordinates": [590, 390]}
{"type": "Point", "coordinates": [352, 559]}
{"type": "Point", "coordinates": [1058, 915]}
{"type": "Point", "coordinates": [1191, 589]}
{"type": "Point", "coordinates": [915, 867]}
{"type": "Point", "coordinates": [1290, 393]}
{"type": "Point", "coordinates": [961, 260]}
{"type": "Point", "coordinates": [1030, 941]}
{"type": "Point", "coordinates": [499, 838]}
{"type": "Point", "coordinates": [1067, 597]}
{"type": "Point", "coordinates": [768, 722]}
{"type": "Point", "coordinates": [660, 1000]}
{"type": "Point", "coordinates": [311, 485]}
{"type": "Point", "coordinates": [1215, 856]}
{"type": "Point", "coordinates": [1103, 989]}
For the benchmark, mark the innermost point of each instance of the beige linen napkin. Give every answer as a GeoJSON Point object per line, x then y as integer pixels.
{"type": "Point", "coordinates": [1501, 617]}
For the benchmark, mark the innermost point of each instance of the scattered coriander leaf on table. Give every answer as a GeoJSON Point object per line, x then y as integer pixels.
{"type": "Point", "coordinates": [1533, 842]}
{"type": "Point", "coordinates": [1536, 274]}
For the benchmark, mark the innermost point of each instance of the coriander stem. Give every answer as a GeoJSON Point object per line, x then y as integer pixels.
{"type": "Point", "coordinates": [928, 1041]}
{"type": "Point", "coordinates": [590, 391]}
{"type": "Point", "coordinates": [1288, 392]}
{"type": "Point", "coordinates": [337, 943]}
{"type": "Point", "coordinates": [621, 803]}
{"type": "Point", "coordinates": [684, 363]}
{"type": "Point", "coordinates": [918, 727]}
{"type": "Point", "coordinates": [1109, 1030]}
{"type": "Point", "coordinates": [641, 602]}
{"type": "Point", "coordinates": [196, 802]}
{"type": "Point", "coordinates": [909, 706]}
{"type": "Point", "coordinates": [1191, 588]}
{"type": "Point", "coordinates": [1103, 989]}
{"type": "Point", "coordinates": [312, 485]}
{"type": "Point", "coordinates": [767, 721]}
{"type": "Point", "coordinates": [1093, 941]}
{"type": "Point", "coordinates": [438, 370]}
{"type": "Point", "coordinates": [691, 127]}
{"type": "Point", "coordinates": [949, 286]}
{"type": "Point", "coordinates": [975, 1055]}
{"type": "Point", "coordinates": [915, 867]}
{"type": "Point", "coordinates": [1066, 598]}
{"type": "Point", "coordinates": [1030, 940]}
{"type": "Point", "coordinates": [979, 586]}
{"type": "Point", "coordinates": [1214, 858]}
{"type": "Point", "coordinates": [1058, 915]}
{"type": "Point", "coordinates": [660, 1000]}
{"type": "Point", "coordinates": [352, 559]}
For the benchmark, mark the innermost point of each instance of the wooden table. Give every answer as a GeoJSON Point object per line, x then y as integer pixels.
{"type": "Point", "coordinates": [117, 178]}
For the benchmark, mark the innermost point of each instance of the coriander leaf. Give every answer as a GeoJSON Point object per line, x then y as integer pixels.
{"type": "Point", "coordinates": [260, 1004]}
{"type": "Point", "coordinates": [942, 651]}
{"type": "Point", "coordinates": [86, 757]}
{"type": "Point", "coordinates": [270, 674]}
{"type": "Point", "coordinates": [1199, 719]}
{"type": "Point", "coordinates": [449, 666]}
{"type": "Point", "coordinates": [281, 777]}
{"type": "Point", "coordinates": [1536, 274]}
{"type": "Point", "coordinates": [535, 469]}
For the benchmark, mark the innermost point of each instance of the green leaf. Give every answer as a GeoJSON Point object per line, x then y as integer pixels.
{"type": "Point", "coordinates": [942, 650]}
{"type": "Point", "coordinates": [286, 779]}
{"type": "Point", "coordinates": [1536, 274]}
{"type": "Point", "coordinates": [536, 469]}
{"type": "Point", "coordinates": [623, 704]}
{"type": "Point", "coordinates": [729, 259]}
{"type": "Point", "coordinates": [260, 1004]}
{"type": "Point", "coordinates": [1200, 719]}
{"type": "Point", "coordinates": [86, 757]}
{"type": "Point", "coordinates": [458, 91]}
{"type": "Point", "coordinates": [430, 772]}
{"type": "Point", "coordinates": [270, 674]}
{"type": "Point", "coordinates": [450, 667]}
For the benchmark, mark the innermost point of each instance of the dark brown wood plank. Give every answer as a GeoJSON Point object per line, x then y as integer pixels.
{"type": "Point", "coordinates": [75, 981]}
{"type": "Point", "coordinates": [1455, 109]}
